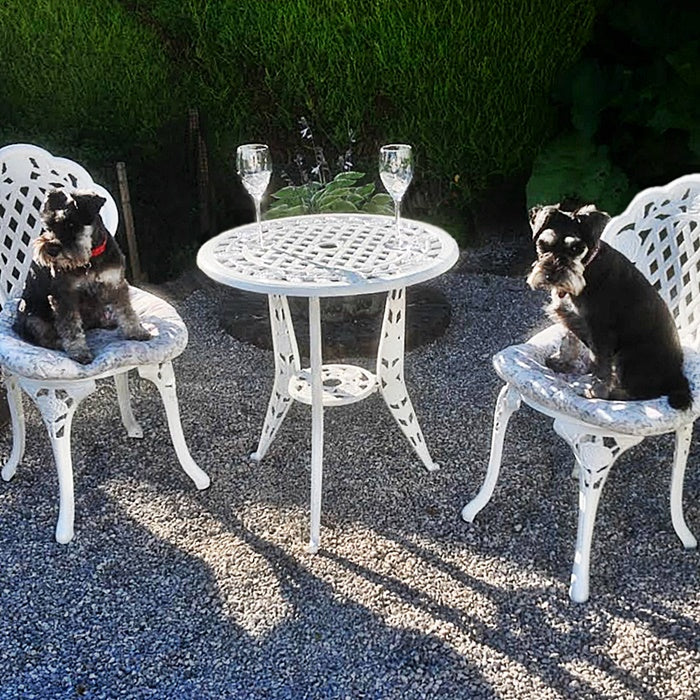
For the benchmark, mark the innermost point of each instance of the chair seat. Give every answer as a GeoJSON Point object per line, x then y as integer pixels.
{"type": "Point", "coordinates": [110, 349]}
{"type": "Point", "coordinates": [523, 367]}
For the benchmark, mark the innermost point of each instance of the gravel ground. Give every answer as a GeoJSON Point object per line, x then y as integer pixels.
{"type": "Point", "coordinates": [167, 592]}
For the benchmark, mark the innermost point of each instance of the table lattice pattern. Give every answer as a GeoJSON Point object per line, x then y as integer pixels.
{"type": "Point", "coordinates": [341, 253]}
{"type": "Point", "coordinates": [342, 384]}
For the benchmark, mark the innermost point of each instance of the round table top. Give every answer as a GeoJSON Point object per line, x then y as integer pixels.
{"type": "Point", "coordinates": [328, 255]}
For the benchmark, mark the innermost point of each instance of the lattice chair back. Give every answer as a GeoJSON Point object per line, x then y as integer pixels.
{"type": "Point", "coordinates": [27, 173]}
{"type": "Point", "coordinates": [659, 232]}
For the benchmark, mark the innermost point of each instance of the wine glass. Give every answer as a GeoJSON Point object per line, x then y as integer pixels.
{"type": "Point", "coordinates": [396, 172]}
{"type": "Point", "coordinates": [254, 167]}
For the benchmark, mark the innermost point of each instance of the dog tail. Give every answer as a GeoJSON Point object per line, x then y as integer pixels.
{"type": "Point", "coordinates": [680, 397]}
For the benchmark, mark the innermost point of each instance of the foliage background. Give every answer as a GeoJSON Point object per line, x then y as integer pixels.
{"type": "Point", "coordinates": [629, 108]}
{"type": "Point", "coordinates": [598, 97]}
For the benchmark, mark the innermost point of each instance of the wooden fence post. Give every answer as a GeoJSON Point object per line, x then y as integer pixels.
{"type": "Point", "coordinates": [202, 160]}
{"type": "Point", "coordinates": [136, 273]}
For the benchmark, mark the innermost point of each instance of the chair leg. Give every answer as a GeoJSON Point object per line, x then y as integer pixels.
{"type": "Point", "coordinates": [595, 459]}
{"type": "Point", "coordinates": [286, 354]}
{"type": "Point", "coordinates": [57, 406]}
{"type": "Point", "coordinates": [390, 360]}
{"type": "Point", "coordinates": [121, 382]}
{"type": "Point", "coordinates": [683, 437]}
{"type": "Point", "coordinates": [507, 403]}
{"type": "Point", "coordinates": [14, 402]}
{"type": "Point", "coordinates": [164, 378]}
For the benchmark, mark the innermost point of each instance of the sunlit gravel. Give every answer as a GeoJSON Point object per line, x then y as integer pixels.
{"type": "Point", "coordinates": [167, 592]}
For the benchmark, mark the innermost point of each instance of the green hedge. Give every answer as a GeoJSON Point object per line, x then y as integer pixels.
{"type": "Point", "coordinates": [87, 70]}
{"type": "Point", "coordinates": [467, 82]}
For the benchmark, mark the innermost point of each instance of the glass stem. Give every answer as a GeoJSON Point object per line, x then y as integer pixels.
{"type": "Point", "coordinates": [397, 215]}
{"type": "Point", "coordinates": [258, 218]}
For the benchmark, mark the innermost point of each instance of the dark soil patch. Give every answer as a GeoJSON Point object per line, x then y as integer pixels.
{"type": "Point", "coordinates": [350, 325]}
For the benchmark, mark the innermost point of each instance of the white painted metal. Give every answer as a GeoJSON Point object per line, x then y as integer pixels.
{"type": "Point", "coordinates": [26, 174]}
{"type": "Point", "coordinates": [328, 255]}
{"type": "Point", "coordinates": [324, 256]}
{"type": "Point", "coordinates": [341, 384]}
{"type": "Point", "coordinates": [660, 232]}
{"type": "Point", "coordinates": [57, 404]}
{"type": "Point", "coordinates": [163, 377]}
{"type": "Point", "coordinates": [390, 374]}
{"type": "Point", "coordinates": [316, 359]}
{"type": "Point", "coordinates": [14, 400]}
{"type": "Point", "coordinates": [286, 354]}
{"type": "Point", "coordinates": [507, 403]}
{"type": "Point", "coordinates": [121, 382]}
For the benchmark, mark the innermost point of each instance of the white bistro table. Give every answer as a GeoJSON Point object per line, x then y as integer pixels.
{"type": "Point", "coordinates": [330, 255]}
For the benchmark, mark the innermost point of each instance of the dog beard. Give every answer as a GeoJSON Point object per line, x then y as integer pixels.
{"type": "Point", "coordinates": [569, 281]}
{"type": "Point", "coordinates": [77, 256]}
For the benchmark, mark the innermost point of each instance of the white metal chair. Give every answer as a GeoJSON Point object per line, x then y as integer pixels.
{"type": "Point", "coordinates": [56, 383]}
{"type": "Point", "coordinates": [660, 232]}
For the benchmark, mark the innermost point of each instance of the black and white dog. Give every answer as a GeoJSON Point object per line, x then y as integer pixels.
{"type": "Point", "coordinates": [608, 305]}
{"type": "Point", "coordinates": [76, 279]}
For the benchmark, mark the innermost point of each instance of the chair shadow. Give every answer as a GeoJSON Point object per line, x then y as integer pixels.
{"type": "Point", "coordinates": [145, 597]}
{"type": "Point", "coordinates": [120, 608]}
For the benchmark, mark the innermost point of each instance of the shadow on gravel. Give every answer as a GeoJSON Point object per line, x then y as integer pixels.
{"type": "Point", "coordinates": [167, 592]}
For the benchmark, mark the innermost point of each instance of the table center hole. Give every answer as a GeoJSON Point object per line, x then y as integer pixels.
{"type": "Point", "coordinates": [332, 382]}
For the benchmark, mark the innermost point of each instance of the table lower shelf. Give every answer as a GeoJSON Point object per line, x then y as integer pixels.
{"type": "Point", "coordinates": [342, 384]}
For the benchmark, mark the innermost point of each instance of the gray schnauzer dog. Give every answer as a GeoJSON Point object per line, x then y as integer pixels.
{"type": "Point", "coordinates": [76, 279]}
{"type": "Point", "coordinates": [607, 304]}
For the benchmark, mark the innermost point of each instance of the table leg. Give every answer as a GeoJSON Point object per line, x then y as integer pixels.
{"type": "Point", "coordinates": [316, 422]}
{"type": "Point", "coordinates": [286, 353]}
{"type": "Point", "coordinates": [390, 374]}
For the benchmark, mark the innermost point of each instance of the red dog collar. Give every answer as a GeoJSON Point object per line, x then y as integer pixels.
{"type": "Point", "coordinates": [595, 252]}
{"type": "Point", "coordinates": [99, 249]}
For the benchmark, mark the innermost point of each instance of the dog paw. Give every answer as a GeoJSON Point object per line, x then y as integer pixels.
{"type": "Point", "coordinates": [598, 390]}
{"type": "Point", "coordinates": [558, 365]}
{"type": "Point", "coordinates": [139, 333]}
{"type": "Point", "coordinates": [83, 356]}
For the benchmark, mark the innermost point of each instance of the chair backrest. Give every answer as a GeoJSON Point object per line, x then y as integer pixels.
{"type": "Point", "coordinates": [27, 173]}
{"type": "Point", "coordinates": [660, 233]}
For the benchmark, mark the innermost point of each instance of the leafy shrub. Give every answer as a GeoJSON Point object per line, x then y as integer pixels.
{"type": "Point", "coordinates": [319, 191]}
{"type": "Point", "coordinates": [633, 103]}
{"type": "Point", "coordinates": [91, 80]}
{"type": "Point", "coordinates": [466, 83]}
{"type": "Point", "coordinates": [572, 169]}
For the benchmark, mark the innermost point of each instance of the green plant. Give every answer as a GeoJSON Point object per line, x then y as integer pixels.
{"type": "Point", "coordinates": [341, 194]}
{"type": "Point", "coordinates": [634, 112]}
{"type": "Point", "coordinates": [573, 169]}
{"type": "Point", "coordinates": [319, 191]}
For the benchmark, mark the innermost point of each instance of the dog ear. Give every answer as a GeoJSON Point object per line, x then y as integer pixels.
{"type": "Point", "coordinates": [539, 215]}
{"type": "Point", "coordinates": [593, 219]}
{"type": "Point", "coordinates": [88, 205]}
{"type": "Point", "coordinates": [534, 211]}
{"type": "Point", "coordinates": [54, 201]}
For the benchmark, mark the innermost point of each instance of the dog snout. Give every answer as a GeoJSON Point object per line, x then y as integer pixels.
{"type": "Point", "coordinates": [52, 248]}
